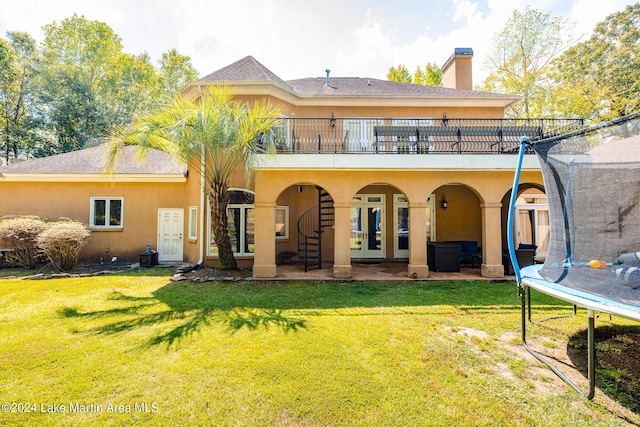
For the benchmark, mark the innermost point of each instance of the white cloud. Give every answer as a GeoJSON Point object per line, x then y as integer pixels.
{"type": "Point", "coordinates": [298, 39]}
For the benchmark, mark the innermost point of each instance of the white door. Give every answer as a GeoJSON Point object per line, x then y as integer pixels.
{"type": "Point", "coordinates": [170, 231]}
{"type": "Point", "coordinates": [367, 226]}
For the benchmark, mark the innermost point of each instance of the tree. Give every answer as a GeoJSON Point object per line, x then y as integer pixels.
{"type": "Point", "coordinates": [87, 83]}
{"type": "Point", "coordinates": [132, 86]}
{"type": "Point", "coordinates": [215, 134]}
{"type": "Point", "coordinates": [175, 72]}
{"type": "Point", "coordinates": [399, 74]}
{"type": "Point", "coordinates": [431, 76]}
{"type": "Point", "coordinates": [18, 57]}
{"type": "Point", "coordinates": [600, 77]}
{"type": "Point", "coordinates": [527, 43]}
{"type": "Point", "coordinates": [8, 74]}
{"type": "Point", "coordinates": [76, 79]}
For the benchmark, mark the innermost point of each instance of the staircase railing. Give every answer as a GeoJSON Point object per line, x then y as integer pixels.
{"type": "Point", "coordinates": [310, 228]}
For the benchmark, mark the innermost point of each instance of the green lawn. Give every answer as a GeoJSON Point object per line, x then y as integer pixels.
{"type": "Point", "coordinates": [138, 349]}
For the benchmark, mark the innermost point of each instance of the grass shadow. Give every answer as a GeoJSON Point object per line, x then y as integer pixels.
{"type": "Point", "coordinates": [617, 368]}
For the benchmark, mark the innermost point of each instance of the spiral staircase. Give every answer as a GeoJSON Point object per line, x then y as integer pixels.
{"type": "Point", "coordinates": [311, 225]}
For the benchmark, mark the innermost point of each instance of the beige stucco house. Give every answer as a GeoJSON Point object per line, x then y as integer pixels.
{"type": "Point", "coordinates": [365, 170]}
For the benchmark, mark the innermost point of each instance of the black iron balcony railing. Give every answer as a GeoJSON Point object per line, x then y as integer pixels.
{"type": "Point", "coordinates": [412, 136]}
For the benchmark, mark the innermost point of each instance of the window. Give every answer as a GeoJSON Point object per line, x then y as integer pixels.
{"type": "Point", "coordinates": [193, 222]}
{"type": "Point", "coordinates": [401, 225]}
{"type": "Point", "coordinates": [106, 213]}
{"type": "Point", "coordinates": [282, 222]}
{"type": "Point", "coordinates": [240, 224]}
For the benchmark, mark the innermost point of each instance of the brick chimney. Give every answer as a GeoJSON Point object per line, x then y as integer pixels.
{"type": "Point", "coordinates": [457, 71]}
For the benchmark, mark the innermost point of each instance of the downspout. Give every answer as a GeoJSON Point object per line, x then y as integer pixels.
{"type": "Point", "coordinates": [202, 199]}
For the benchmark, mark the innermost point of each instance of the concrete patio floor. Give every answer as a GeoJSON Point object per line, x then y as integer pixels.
{"type": "Point", "coordinates": [375, 271]}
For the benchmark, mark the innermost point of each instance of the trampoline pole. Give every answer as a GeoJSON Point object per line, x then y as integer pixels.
{"type": "Point", "coordinates": [523, 299]}
{"type": "Point", "coordinates": [529, 301]}
{"type": "Point", "coordinates": [512, 203]}
{"type": "Point", "coordinates": [591, 356]}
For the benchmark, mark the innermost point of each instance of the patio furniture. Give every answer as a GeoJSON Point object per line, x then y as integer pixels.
{"type": "Point", "coordinates": [470, 252]}
{"type": "Point", "coordinates": [525, 255]}
{"type": "Point", "coordinates": [443, 256]}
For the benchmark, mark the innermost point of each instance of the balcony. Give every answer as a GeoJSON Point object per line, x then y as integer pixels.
{"type": "Point", "coordinates": [411, 136]}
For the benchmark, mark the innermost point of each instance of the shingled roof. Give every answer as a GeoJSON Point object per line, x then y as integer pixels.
{"type": "Point", "coordinates": [357, 86]}
{"type": "Point", "coordinates": [91, 161]}
{"type": "Point", "coordinates": [246, 69]}
{"type": "Point", "coordinates": [249, 69]}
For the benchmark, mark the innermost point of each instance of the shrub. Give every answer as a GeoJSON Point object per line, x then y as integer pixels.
{"type": "Point", "coordinates": [19, 234]}
{"type": "Point", "coordinates": [62, 242]}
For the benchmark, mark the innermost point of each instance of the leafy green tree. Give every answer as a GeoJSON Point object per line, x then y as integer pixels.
{"type": "Point", "coordinates": [175, 72]}
{"type": "Point", "coordinates": [18, 62]}
{"type": "Point", "coordinates": [599, 79]}
{"type": "Point", "coordinates": [8, 75]}
{"type": "Point", "coordinates": [399, 74]}
{"type": "Point", "coordinates": [431, 76]}
{"type": "Point", "coordinates": [77, 79]}
{"type": "Point", "coordinates": [215, 135]}
{"type": "Point", "coordinates": [87, 83]}
{"type": "Point", "coordinates": [521, 51]}
{"type": "Point", "coordinates": [132, 86]}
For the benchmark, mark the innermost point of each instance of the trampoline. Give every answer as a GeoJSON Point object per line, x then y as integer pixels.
{"type": "Point", "coordinates": [592, 183]}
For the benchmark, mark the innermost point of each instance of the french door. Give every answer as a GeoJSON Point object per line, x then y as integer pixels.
{"type": "Point", "coordinates": [368, 226]}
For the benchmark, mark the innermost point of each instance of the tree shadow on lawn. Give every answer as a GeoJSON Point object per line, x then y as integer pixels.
{"type": "Point", "coordinates": [185, 308]}
{"type": "Point", "coordinates": [284, 305]}
{"type": "Point", "coordinates": [617, 366]}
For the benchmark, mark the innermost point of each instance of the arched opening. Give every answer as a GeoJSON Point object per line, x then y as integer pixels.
{"type": "Point", "coordinates": [379, 216]}
{"type": "Point", "coordinates": [304, 225]}
{"type": "Point", "coordinates": [455, 230]}
{"type": "Point", "coordinates": [531, 226]}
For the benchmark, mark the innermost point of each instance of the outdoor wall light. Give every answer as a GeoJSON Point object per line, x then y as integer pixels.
{"type": "Point", "coordinates": [332, 122]}
{"type": "Point", "coordinates": [444, 203]}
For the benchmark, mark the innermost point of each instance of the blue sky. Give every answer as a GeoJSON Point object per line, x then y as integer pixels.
{"type": "Point", "coordinates": [302, 38]}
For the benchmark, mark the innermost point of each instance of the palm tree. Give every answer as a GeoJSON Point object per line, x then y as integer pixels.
{"type": "Point", "coordinates": [216, 134]}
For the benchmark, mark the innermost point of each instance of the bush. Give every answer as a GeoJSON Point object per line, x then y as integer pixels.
{"type": "Point", "coordinates": [62, 242]}
{"type": "Point", "coordinates": [19, 234]}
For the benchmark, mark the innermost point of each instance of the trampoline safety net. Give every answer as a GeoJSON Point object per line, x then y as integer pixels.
{"type": "Point", "coordinates": [592, 182]}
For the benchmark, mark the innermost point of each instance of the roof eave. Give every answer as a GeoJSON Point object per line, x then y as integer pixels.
{"type": "Point", "coordinates": [80, 177]}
